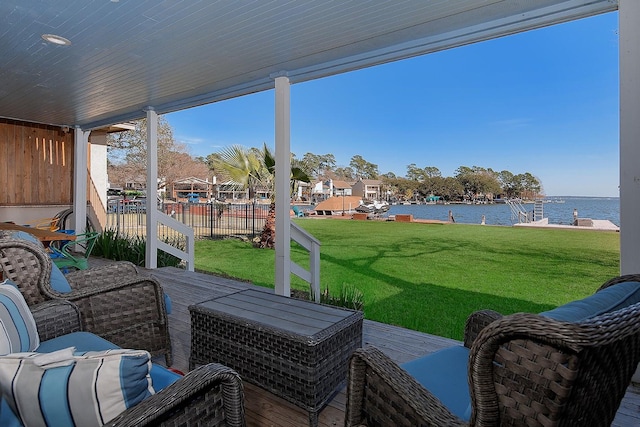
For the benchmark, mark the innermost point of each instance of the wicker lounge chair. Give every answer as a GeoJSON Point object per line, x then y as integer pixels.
{"type": "Point", "coordinates": [523, 369]}
{"type": "Point", "coordinates": [211, 395]}
{"type": "Point", "coordinates": [115, 301]}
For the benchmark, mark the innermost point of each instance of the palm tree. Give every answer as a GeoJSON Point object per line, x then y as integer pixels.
{"type": "Point", "coordinates": [250, 168]}
{"type": "Point", "coordinates": [268, 235]}
{"type": "Point", "coordinates": [243, 166]}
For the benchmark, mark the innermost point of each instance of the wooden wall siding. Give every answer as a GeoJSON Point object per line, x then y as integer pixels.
{"type": "Point", "coordinates": [36, 164]}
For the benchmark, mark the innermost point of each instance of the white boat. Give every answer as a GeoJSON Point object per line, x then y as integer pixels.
{"type": "Point", "coordinates": [373, 207]}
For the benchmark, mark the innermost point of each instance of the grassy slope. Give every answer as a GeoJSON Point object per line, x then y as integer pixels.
{"type": "Point", "coordinates": [429, 277]}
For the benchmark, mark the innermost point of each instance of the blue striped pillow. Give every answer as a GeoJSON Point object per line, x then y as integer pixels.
{"type": "Point", "coordinates": [64, 388]}
{"type": "Point", "coordinates": [18, 331]}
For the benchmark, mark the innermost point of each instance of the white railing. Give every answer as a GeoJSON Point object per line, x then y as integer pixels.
{"type": "Point", "coordinates": [312, 245]}
{"type": "Point", "coordinates": [188, 254]}
{"type": "Point", "coordinates": [518, 211]}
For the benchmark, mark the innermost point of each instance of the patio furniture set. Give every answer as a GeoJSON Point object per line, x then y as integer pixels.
{"type": "Point", "coordinates": [567, 366]}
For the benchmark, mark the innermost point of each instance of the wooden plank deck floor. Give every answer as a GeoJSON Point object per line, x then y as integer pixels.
{"type": "Point", "coordinates": [263, 408]}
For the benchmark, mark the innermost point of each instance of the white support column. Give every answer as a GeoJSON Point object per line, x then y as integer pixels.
{"type": "Point", "coordinates": [151, 255]}
{"type": "Point", "coordinates": [80, 159]}
{"type": "Point", "coordinates": [628, 13]}
{"type": "Point", "coordinates": [283, 177]}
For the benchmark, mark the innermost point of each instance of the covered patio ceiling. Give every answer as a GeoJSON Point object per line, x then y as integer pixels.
{"type": "Point", "coordinates": [125, 55]}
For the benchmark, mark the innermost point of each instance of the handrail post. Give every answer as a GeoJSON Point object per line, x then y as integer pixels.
{"type": "Point", "coordinates": [314, 267]}
{"type": "Point", "coordinates": [312, 245]}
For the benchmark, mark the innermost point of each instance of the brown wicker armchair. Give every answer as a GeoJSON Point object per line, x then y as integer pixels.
{"type": "Point", "coordinates": [115, 301]}
{"type": "Point", "coordinates": [523, 369]}
{"type": "Point", "coordinates": [211, 395]}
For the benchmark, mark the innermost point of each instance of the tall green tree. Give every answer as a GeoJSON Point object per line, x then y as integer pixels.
{"type": "Point", "coordinates": [318, 165]}
{"type": "Point", "coordinates": [531, 184]}
{"type": "Point", "coordinates": [363, 168]}
{"type": "Point", "coordinates": [432, 172]}
{"type": "Point", "coordinates": [414, 173]}
{"type": "Point", "coordinates": [477, 180]}
{"type": "Point", "coordinates": [345, 173]}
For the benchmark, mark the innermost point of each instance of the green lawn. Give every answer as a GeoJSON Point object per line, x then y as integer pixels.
{"type": "Point", "coordinates": [429, 277]}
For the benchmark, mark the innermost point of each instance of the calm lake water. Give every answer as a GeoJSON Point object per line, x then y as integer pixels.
{"type": "Point", "coordinates": [500, 214]}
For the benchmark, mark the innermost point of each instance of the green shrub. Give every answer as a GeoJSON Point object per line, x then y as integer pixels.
{"type": "Point", "coordinates": [111, 245]}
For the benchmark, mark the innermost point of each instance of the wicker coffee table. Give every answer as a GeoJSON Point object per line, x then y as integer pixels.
{"type": "Point", "coordinates": [295, 349]}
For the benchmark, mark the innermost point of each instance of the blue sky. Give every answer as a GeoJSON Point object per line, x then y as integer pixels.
{"type": "Point", "coordinates": [544, 102]}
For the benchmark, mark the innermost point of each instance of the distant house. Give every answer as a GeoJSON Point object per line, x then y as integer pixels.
{"type": "Point", "coordinates": [231, 191]}
{"type": "Point", "coordinates": [304, 191]}
{"type": "Point", "coordinates": [186, 190]}
{"type": "Point", "coordinates": [370, 189]}
{"type": "Point", "coordinates": [341, 188]}
{"type": "Point", "coordinates": [134, 183]}
{"type": "Point", "coordinates": [323, 189]}
{"type": "Point", "coordinates": [320, 190]}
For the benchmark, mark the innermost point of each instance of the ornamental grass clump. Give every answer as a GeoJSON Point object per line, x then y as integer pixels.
{"type": "Point", "coordinates": [112, 245]}
{"type": "Point", "coordinates": [348, 297]}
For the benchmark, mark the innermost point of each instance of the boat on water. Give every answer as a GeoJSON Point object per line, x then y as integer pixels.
{"type": "Point", "coordinates": [373, 207]}
{"type": "Point", "coordinates": [341, 205]}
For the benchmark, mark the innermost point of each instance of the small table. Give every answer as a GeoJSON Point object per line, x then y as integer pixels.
{"type": "Point", "coordinates": [42, 235]}
{"type": "Point", "coordinates": [296, 349]}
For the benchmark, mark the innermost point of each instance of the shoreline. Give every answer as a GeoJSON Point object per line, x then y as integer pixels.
{"type": "Point", "coordinates": [597, 224]}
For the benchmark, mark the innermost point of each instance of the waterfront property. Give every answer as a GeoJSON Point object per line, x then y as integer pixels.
{"type": "Point", "coordinates": [257, 48]}
{"type": "Point", "coordinates": [385, 35]}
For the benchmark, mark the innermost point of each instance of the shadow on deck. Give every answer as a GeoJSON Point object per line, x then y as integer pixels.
{"type": "Point", "coordinates": [263, 408]}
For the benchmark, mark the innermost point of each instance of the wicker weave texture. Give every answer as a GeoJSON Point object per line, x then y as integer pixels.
{"type": "Point", "coordinates": [304, 370]}
{"type": "Point", "coordinates": [55, 318]}
{"type": "Point", "coordinates": [524, 370]}
{"type": "Point", "coordinates": [209, 396]}
{"type": "Point", "coordinates": [115, 302]}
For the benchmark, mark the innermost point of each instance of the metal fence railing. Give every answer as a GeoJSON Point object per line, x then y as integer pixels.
{"type": "Point", "coordinates": [210, 220]}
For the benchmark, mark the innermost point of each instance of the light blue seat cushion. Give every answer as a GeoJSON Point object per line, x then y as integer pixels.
{"type": "Point", "coordinates": [26, 236]}
{"type": "Point", "coordinates": [7, 417]}
{"type": "Point", "coordinates": [18, 330]}
{"type": "Point", "coordinates": [86, 341]}
{"type": "Point", "coordinates": [167, 303]}
{"type": "Point", "coordinates": [610, 299]}
{"type": "Point", "coordinates": [444, 373]}
{"type": "Point", "coordinates": [58, 281]}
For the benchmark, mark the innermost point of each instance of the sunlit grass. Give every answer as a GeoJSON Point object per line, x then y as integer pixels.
{"type": "Point", "coordinates": [429, 277]}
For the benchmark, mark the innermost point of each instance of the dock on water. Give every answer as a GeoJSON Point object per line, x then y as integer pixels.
{"type": "Point", "coordinates": [580, 224]}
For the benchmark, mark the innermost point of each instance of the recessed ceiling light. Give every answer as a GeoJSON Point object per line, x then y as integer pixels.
{"type": "Point", "coordinates": [52, 38]}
